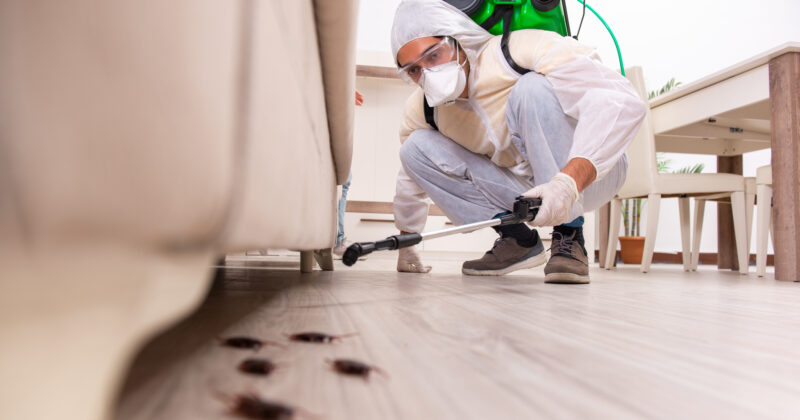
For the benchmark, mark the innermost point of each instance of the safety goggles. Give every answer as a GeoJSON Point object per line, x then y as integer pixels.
{"type": "Point", "coordinates": [439, 53]}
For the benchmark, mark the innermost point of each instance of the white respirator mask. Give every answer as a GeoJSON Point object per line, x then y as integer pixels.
{"type": "Point", "coordinates": [444, 83]}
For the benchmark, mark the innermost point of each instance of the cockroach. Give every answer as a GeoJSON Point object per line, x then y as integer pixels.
{"type": "Point", "coordinates": [257, 366]}
{"type": "Point", "coordinates": [354, 367]}
{"type": "Point", "coordinates": [246, 343]}
{"type": "Point", "coordinates": [317, 337]}
{"type": "Point", "coordinates": [251, 406]}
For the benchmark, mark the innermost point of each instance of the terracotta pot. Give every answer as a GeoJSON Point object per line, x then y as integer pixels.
{"type": "Point", "coordinates": [632, 249]}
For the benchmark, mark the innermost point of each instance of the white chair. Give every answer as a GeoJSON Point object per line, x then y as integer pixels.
{"type": "Point", "coordinates": [644, 181]}
{"type": "Point", "coordinates": [724, 199]}
{"type": "Point", "coordinates": [764, 227]}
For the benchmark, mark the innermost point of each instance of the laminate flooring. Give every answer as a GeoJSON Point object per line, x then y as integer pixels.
{"type": "Point", "coordinates": [666, 344]}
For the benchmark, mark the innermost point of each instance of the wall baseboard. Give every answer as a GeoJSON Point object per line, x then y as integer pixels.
{"type": "Point", "coordinates": [706, 258]}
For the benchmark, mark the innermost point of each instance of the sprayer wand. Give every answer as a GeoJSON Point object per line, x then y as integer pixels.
{"type": "Point", "coordinates": [525, 210]}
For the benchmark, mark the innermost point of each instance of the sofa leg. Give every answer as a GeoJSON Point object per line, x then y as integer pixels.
{"type": "Point", "coordinates": [324, 258]}
{"type": "Point", "coordinates": [306, 261]}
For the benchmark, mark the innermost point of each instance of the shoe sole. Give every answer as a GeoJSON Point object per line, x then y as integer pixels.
{"type": "Point", "coordinates": [566, 278]}
{"type": "Point", "coordinates": [531, 262]}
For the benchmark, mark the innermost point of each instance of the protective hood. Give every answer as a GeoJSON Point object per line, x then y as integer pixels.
{"type": "Point", "coordinates": [422, 18]}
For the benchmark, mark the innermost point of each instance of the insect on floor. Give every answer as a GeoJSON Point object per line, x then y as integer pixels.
{"type": "Point", "coordinates": [666, 344]}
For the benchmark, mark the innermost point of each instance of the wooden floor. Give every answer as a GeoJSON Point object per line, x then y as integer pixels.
{"type": "Point", "coordinates": [667, 344]}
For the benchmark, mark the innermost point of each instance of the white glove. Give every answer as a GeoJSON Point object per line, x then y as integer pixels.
{"type": "Point", "coordinates": [558, 196]}
{"type": "Point", "coordinates": [408, 261]}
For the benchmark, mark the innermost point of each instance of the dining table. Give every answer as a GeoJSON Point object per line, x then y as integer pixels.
{"type": "Point", "coordinates": [752, 105]}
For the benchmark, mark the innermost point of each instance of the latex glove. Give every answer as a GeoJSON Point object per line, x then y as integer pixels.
{"type": "Point", "coordinates": [408, 261]}
{"type": "Point", "coordinates": [558, 196]}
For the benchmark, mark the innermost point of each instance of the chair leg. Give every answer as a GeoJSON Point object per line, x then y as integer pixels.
{"type": "Point", "coordinates": [589, 236]}
{"type": "Point", "coordinates": [653, 207]}
{"type": "Point", "coordinates": [683, 209]}
{"type": "Point", "coordinates": [762, 226]}
{"type": "Point", "coordinates": [613, 232]}
{"type": "Point", "coordinates": [699, 211]}
{"type": "Point", "coordinates": [740, 234]}
{"type": "Point", "coordinates": [749, 206]}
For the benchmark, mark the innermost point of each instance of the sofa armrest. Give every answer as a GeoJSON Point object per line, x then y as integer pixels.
{"type": "Point", "coordinates": [336, 35]}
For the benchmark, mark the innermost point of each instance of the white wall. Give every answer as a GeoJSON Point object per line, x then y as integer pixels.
{"type": "Point", "coordinates": [667, 40]}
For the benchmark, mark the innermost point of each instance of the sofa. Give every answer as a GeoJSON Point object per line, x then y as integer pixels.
{"type": "Point", "coordinates": [140, 141]}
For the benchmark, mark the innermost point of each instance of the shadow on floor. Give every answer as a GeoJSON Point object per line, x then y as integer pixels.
{"type": "Point", "coordinates": [238, 290]}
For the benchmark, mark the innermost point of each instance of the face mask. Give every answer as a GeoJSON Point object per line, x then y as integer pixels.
{"type": "Point", "coordinates": [444, 83]}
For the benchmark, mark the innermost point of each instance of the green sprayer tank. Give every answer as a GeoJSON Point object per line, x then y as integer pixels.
{"type": "Point", "coordinates": [528, 14]}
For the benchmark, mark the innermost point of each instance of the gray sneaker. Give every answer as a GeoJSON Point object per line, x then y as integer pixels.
{"type": "Point", "coordinates": [339, 249]}
{"type": "Point", "coordinates": [506, 255]}
{"type": "Point", "coordinates": [568, 262]}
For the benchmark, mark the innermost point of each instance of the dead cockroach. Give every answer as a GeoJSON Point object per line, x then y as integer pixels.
{"type": "Point", "coordinates": [251, 406]}
{"type": "Point", "coordinates": [246, 343]}
{"type": "Point", "coordinates": [257, 366]}
{"type": "Point", "coordinates": [354, 367]}
{"type": "Point", "coordinates": [317, 337]}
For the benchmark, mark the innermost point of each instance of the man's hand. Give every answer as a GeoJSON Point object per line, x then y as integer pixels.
{"type": "Point", "coordinates": [408, 261]}
{"type": "Point", "coordinates": [558, 196]}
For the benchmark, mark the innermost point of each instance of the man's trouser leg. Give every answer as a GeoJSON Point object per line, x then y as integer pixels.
{"type": "Point", "coordinates": [544, 134]}
{"type": "Point", "coordinates": [467, 187]}
{"type": "Point", "coordinates": [470, 188]}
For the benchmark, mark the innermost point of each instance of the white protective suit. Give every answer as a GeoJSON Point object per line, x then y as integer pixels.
{"type": "Point", "coordinates": [607, 109]}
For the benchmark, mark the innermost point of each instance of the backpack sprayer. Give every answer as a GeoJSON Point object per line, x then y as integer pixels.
{"type": "Point", "coordinates": [499, 17]}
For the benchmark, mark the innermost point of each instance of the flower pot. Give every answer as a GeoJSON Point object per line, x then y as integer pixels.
{"type": "Point", "coordinates": [632, 249]}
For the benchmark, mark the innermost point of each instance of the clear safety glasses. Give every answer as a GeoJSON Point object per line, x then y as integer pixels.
{"type": "Point", "coordinates": [440, 53]}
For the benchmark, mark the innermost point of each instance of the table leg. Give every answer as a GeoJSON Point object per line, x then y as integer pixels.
{"type": "Point", "coordinates": [784, 93]}
{"type": "Point", "coordinates": [726, 243]}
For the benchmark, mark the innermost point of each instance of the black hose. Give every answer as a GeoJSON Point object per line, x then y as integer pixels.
{"type": "Point", "coordinates": [582, 16]}
{"type": "Point", "coordinates": [566, 17]}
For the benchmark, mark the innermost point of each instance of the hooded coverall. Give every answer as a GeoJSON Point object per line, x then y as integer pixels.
{"type": "Point", "coordinates": [514, 131]}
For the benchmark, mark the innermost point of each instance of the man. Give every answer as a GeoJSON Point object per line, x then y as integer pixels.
{"type": "Point", "coordinates": [558, 132]}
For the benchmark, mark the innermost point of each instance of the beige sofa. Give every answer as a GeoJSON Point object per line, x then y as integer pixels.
{"type": "Point", "coordinates": [138, 142]}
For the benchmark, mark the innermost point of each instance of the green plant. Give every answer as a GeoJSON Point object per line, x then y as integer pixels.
{"type": "Point", "coordinates": [632, 208]}
{"type": "Point", "coordinates": [664, 89]}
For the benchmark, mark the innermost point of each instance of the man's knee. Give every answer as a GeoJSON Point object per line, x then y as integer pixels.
{"type": "Point", "coordinates": [533, 89]}
{"type": "Point", "coordinates": [602, 191]}
{"type": "Point", "coordinates": [414, 149]}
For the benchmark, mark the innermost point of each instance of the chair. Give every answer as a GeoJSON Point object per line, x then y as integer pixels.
{"type": "Point", "coordinates": [644, 181]}
{"type": "Point", "coordinates": [723, 199]}
{"type": "Point", "coordinates": [764, 227]}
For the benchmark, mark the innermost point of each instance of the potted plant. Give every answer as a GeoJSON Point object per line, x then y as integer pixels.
{"type": "Point", "coordinates": [632, 243]}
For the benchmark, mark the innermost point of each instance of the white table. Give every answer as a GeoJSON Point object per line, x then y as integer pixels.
{"type": "Point", "coordinates": [750, 106]}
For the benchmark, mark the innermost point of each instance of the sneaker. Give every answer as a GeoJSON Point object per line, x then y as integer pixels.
{"type": "Point", "coordinates": [569, 263]}
{"type": "Point", "coordinates": [506, 255]}
{"type": "Point", "coordinates": [339, 250]}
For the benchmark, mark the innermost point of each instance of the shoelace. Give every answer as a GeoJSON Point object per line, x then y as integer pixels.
{"type": "Point", "coordinates": [496, 243]}
{"type": "Point", "coordinates": [564, 243]}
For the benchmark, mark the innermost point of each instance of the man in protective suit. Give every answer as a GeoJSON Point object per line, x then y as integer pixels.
{"type": "Point", "coordinates": [558, 132]}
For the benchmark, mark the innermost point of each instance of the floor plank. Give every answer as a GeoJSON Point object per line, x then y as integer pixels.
{"type": "Point", "coordinates": [665, 344]}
